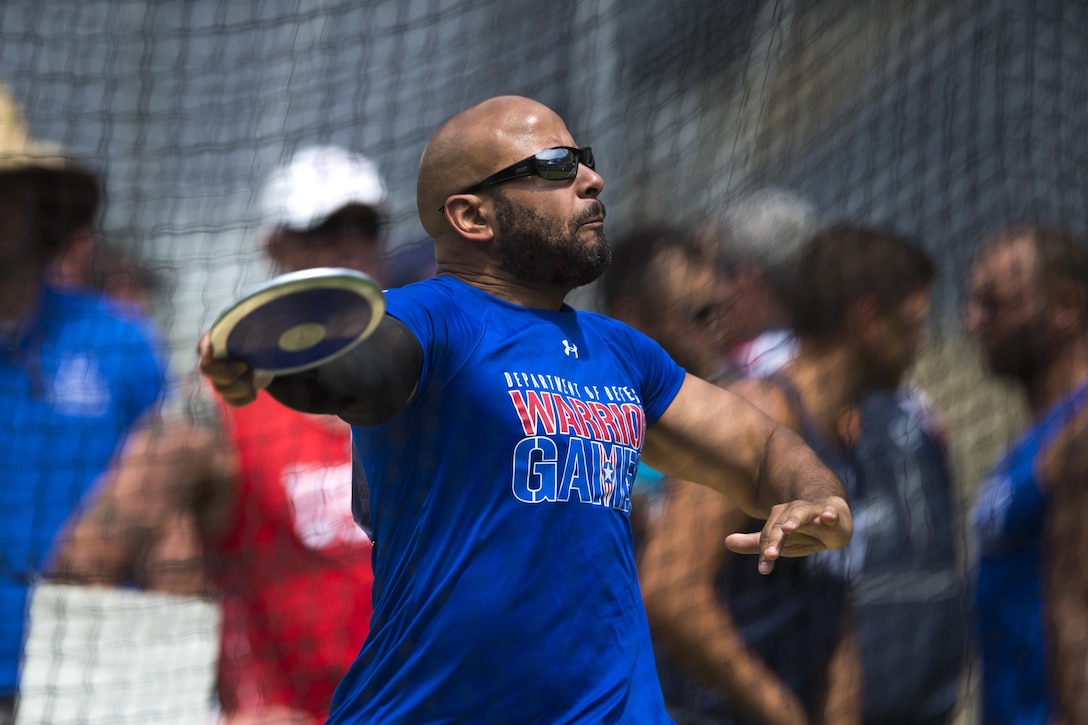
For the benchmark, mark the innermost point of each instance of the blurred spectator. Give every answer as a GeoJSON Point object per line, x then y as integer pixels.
{"type": "Point", "coordinates": [91, 263]}
{"type": "Point", "coordinates": [781, 648]}
{"type": "Point", "coordinates": [761, 236]}
{"type": "Point", "coordinates": [909, 584]}
{"type": "Point", "coordinates": [272, 506]}
{"type": "Point", "coordinates": [665, 284]}
{"type": "Point", "coordinates": [162, 549]}
{"type": "Point", "coordinates": [411, 262]}
{"type": "Point", "coordinates": [75, 372]}
{"type": "Point", "coordinates": [1028, 311]}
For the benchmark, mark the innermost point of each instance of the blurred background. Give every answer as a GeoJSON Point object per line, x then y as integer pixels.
{"type": "Point", "coordinates": [944, 119]}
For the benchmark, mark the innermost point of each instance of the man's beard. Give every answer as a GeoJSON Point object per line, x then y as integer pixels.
{"type": "Point", "coordinates": [883, 376]}
{"type": "Point", "coordinates": [537, 250]}
{"type": "Point", "coordinates": [1023, 356]}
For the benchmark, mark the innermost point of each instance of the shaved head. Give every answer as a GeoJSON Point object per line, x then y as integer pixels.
{"type": "Point", "coordinates": [478, 142]}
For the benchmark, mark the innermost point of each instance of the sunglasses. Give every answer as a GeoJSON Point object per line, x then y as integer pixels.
{"type": "Point", "coordinates": [367, 226]}
{"type": "Point", "coordinates": [554, 164]}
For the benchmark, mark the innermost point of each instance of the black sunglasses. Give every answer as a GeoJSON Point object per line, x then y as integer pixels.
{"type": "Point", "coordinates": [554, 164]}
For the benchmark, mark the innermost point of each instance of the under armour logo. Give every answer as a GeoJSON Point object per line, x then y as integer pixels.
{"type": "Point", "coordinates": [570, 349]}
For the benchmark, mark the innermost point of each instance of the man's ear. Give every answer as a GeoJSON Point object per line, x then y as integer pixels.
{"type": "Point", "coordinates": [470, 217]}
{"type": "Point", "coordinates": [1069, 308]}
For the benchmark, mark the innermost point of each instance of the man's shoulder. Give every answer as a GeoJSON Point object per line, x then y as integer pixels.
{"type": "Point", "coordinates": [604, 323]}
{"type": "Point", "coordinates": [443, 285]}
{"type": "Point", "coordinates": [1065, 458]}
{"type": "Point", "coordinates": [82, 302]}
{"type": "Point", "coordinates": [441, 296]}
{"type": "Point", "coordinates": [84, 324]}
{"type": "Point", "coordinates": [898, 416]}
{"type": "Point", "coordinates": [767, 395]}
{"type": "Point", "coordinates": [94, 310]}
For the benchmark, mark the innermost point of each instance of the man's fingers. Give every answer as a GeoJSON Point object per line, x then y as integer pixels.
{"type": "Point", "coordinates": [743, 543]}
{"type": "Point", "coordinates": [752, 544]}
{"type": "Point", "coordinates": [796, 529]}
{"type": "Point", "coordinates": [770, 543]}
{"type": "Point", "coordinates": [224, 372]}
{"type": "Point", "coordinates": [220, 372]}
{"type": "Point", "coordinates": [204, 347]}
{"type": "Point", "coordinates": [234, 380]}
{"type": "Point", "coordinates": [237, 394]}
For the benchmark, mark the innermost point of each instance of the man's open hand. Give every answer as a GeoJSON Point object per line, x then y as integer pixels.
{"type": "Point", "coordinates": [797, 529]}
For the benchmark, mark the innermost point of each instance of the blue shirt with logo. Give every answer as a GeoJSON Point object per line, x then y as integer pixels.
{"type": "Point", "coordinates": [71, 385]}
{"type": "Point", "coordinates": [504, 574]}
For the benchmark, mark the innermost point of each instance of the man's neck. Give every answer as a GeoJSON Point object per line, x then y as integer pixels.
{"type": "Point", "coordinates": [498, 283]}
{"type": "Point", "coordinates": [828, 381]}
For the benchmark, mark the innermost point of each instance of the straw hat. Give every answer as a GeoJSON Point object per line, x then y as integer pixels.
{"type": "Point", "coordinates": [64, 188]}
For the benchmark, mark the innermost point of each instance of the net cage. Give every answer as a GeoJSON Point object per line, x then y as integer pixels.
{"type": "Point", "coordinates": [942, 120]}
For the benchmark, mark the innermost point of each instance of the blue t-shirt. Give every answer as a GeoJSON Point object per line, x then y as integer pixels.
{"type": "Point", "coordinates": [70, 387]}
{"type": "Point", "coordinates": [504, 576]}
{"type": "Point", "coordinates": [1009, 520]}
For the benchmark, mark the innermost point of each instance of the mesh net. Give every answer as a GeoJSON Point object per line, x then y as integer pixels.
{"type": "Point", "coordinates": [944, 120]}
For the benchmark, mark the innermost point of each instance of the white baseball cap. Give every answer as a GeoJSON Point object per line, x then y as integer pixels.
{"type": "Point", "coordinates": [318, 182]}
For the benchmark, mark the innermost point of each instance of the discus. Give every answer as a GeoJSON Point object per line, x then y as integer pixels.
{"type": "Point", "coordinates": [300, 320]}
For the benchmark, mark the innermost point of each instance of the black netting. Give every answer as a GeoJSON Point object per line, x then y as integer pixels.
{"type": "Point", "coordinates": [944, 120]}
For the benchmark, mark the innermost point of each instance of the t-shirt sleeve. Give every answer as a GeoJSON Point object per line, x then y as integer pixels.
{"type": "Point", "coordinates": [661, 375]}
{"type": "Point", "coordinates": [434, 316]}
{"type": "Point", "coordinates": [409, 305]}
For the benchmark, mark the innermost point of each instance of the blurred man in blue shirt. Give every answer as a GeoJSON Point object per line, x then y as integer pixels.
{"type": "Point", "coordinates": [75, 371]}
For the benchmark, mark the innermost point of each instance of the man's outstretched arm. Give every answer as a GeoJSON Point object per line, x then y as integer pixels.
{"type": "Point", "coordinates": [171, 486]}
{"type": "Point", "coordinates": [365, 386]}
{"type": "Point", "coordinates": [712, 436]}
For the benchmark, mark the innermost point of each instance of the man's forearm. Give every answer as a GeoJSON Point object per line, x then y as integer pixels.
{"type": "Point", "coordinates": [842, 705]}
{"type": "Point", "coordinates": [309, 392]}
{"type": "Point", "coordinates": [703, 632]}
{"type": "Point", "coordinates": [366, 385]}
{"type": "Point", "coordinates": [1070, 647]}
{"type": "Point", "coordinates": [1066, 537]}
{"type": "Point", "coordinates": [791, 471]}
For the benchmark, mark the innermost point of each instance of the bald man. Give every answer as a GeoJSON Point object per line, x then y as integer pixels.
{"type": "Point", "coordinates": [500, 430]}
